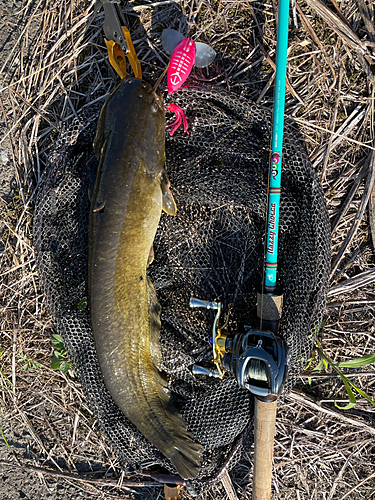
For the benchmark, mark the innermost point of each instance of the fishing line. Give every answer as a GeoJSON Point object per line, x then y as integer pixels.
{"type": "Point", "coordinates": [160, 78]}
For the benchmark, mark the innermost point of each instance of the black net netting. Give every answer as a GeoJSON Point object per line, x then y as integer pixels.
{"type": "Point", "coordinates": [213, 249]}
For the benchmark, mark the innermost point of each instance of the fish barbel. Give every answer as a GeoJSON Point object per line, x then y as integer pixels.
{"type": "Point", "coordinates": [131, 189]}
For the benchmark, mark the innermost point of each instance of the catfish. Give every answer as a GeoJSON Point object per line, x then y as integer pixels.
{"type": "Point", "coordinates": [131, 190]}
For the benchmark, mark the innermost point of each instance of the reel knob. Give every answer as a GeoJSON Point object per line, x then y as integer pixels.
{"type": "Point", "coordinates": [204, 303]}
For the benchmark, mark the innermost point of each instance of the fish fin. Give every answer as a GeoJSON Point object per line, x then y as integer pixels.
{"type": "Point", "coordinates": [151, 256]}
{"type": "Point", "coordinates": [99, 207]}
{"type": "Point", "coordinates": [102, 135]}
{"type": "Point", "coordinates": [168, 203]}
{"type": "Point", "coordinates": [154, 319]}
{"type": "Point", "coordinates": [95, 176]}
{"type": "Point", "coordinates": [165, 393]}
{"type": "Point", "coordinates": [92, 167]}
{"type": "Point", "coordinates": [184, 453]}
{"type": "Point", "coordinates": [186, 456]}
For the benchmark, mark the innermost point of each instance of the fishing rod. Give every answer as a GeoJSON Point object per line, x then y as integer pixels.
{"type": "Point", "coordinates": [270, 302]}
{"type": "Point", "coordinates": [259, 357]}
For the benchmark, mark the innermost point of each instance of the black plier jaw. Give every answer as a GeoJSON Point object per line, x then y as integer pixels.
{"type": "Point", "coordinates": [118, 41]}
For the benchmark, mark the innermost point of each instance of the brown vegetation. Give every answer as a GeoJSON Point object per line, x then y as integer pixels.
{"type": "Point", "coordinates": [58, 67]}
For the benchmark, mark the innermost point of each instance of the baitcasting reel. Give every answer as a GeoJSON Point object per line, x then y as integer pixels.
{"type": "Point", "coordinates": [257, 358]}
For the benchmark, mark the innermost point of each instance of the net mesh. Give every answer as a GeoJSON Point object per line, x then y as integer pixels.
{"type": "Point", "coordinates": [213, 249]}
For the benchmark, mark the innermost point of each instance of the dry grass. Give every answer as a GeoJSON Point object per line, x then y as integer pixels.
{"type": "Point", "coordinates": [58, 68]}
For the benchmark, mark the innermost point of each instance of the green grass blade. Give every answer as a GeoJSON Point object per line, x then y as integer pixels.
{"type": "Point", "coordinates": [7, 389]}
{"type": "Point", "coordinates": [362, 393]}
{"type": "Point", "coordinates": [3, 435]}
{"type": "Point", "coordinates": [352, 399]}
{"type": "Point", "coordinates": [319, 366]}
{"type": "Point", "coordinates": [366, 360]}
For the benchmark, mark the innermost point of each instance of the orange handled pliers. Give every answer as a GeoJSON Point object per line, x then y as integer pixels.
{"type": "Point", "coordinates": [118, 40]}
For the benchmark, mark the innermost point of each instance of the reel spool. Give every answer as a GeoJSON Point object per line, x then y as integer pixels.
{"type": "Point", "coordinates": [257, 358]}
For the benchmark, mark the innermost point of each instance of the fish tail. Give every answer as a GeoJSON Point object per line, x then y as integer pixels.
{"type": "Point", "coordinates": [184, 453]}
{"type": "Point", "coordinates": [186, 458]}
{"type": "Point", "coordinates": [179, 446]}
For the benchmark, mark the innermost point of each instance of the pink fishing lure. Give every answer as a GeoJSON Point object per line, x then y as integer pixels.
{"type": "Point", "coordinates": [182, 61]}
{"type": "Point", "coordinates": [180, 118]}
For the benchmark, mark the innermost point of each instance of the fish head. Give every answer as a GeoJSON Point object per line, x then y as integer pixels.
{"type": "Point", "coordinates": [134, 110]}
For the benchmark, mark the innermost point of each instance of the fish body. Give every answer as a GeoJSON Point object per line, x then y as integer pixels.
{"type": "Point", "coordinates": [131, 189]}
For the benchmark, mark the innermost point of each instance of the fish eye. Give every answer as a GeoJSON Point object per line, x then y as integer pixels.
{"type": "Point", "coordinates": [154, 107]}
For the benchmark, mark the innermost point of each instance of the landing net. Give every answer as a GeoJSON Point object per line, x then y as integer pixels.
{"type": "Point", "coordinates": [213, 249]}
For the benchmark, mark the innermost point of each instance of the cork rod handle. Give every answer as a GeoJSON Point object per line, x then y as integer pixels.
{"type": "Point", "coordinates": [264, 435]}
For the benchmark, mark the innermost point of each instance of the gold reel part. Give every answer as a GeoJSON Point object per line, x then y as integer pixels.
{"type": "Point", "coordinates": [171, 491]}
{"type": "Point", "coordinates": [219, 342]}
{"type": "Point", "coordinates": [219, 350]}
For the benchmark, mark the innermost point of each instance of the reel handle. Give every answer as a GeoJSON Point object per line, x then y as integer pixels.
{"type": "Point", "coordinates": [194, 302]}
